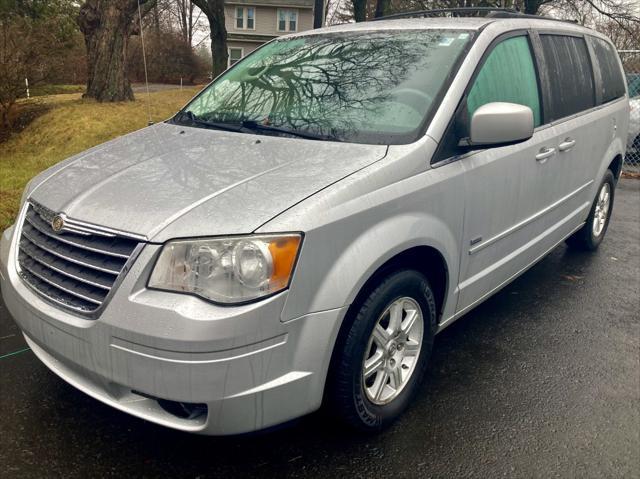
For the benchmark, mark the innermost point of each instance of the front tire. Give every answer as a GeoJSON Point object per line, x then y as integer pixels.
{"type": "Point", "coordinates": [382, 357]}
{"type": "Point", "coordinates": [589, 237]}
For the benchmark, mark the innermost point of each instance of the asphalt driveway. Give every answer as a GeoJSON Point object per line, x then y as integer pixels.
{"type": "Point", "coordinates": [542, 380]}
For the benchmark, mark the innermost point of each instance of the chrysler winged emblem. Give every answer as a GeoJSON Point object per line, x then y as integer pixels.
{"type": "Point", "coordinates": [57, 223]}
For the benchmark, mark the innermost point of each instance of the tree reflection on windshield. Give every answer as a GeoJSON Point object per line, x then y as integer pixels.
{"type": "Point", "coordinates": [362, 87]}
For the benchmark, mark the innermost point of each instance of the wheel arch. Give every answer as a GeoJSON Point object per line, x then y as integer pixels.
{"type": "Point", "coordinates": [428, 260]}
{"type": "Point", "coordinates": [616, 166]}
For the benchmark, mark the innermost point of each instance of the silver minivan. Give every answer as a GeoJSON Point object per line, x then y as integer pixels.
{"type": "Point", "coordinates": [300, 232]}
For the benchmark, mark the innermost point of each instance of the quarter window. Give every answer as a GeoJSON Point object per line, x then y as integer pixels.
{"type": "Point", "coordinates": [570, 75]}
{"type": "Point", "coordinates": [245, 18]}
{"type": "Point", "coordinates": [287, 20]}
{"type": "Point", "coordinates": [507, 75]}
{"type": "Point", "coordinates": [612, 79]}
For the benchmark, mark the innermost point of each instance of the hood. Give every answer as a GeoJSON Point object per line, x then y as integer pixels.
{"type": "Point", "coordinates": [170, 181]}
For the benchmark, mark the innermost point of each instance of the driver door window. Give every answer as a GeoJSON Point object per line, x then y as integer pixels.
{"type": "Point", "coordinates": [508, 75]}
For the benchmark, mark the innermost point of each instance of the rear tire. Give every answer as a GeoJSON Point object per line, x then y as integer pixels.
{"type": "Point", "coordinates": [589, 237]}
{"type": "Point", "coordinates": [382, 357]}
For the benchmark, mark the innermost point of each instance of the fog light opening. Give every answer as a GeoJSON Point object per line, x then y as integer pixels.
{"type": "Point", "coordinates": [183, 410]}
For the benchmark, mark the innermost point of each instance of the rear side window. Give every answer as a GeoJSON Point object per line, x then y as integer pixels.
{"type": "Point", "coordinates": [507, 75]}
{"type": "Point", "coordinates": [570, 75]}
{"type": "Point", "coordinates": [612, 79]}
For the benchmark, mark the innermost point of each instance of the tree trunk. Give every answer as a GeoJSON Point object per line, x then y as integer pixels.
{"type": "Point", "coordinates": [382, 8]}
{"type": "Point", "coordinates": [214, 10]}
{"type": "Point", "coordinates": [318, 13]}
{"type": "Point", "coordinates": [107, 25]}
{"type": "Point", "coordinates": [531, 7]}
{"type": "Point", "coordinates": [359, 10]}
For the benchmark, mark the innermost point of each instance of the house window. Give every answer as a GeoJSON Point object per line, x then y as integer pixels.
{"type": "Point", "coordinates": [245, 18]}
{"type": "Point", "coordinates": [287, 20]}
{"type": "Point", "coordinates": [235, 55]}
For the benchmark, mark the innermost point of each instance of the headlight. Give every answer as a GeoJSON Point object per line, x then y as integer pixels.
{"type": "Point", "coordinates": [227, 270]}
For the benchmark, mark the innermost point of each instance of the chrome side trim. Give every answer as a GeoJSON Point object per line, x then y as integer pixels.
{"type": "Point", "coordinates": [528, 220]}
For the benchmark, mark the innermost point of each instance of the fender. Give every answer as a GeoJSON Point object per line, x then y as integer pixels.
{"type": "Point", "coordinates": [344, 276]}
{"type": "Point", "coordinates": [357, 225]}
{"type": "Point", "coordinates": [616, 148]}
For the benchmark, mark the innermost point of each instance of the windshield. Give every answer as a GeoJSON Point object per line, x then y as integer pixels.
{"type": "Point", "coordinates": [371, 87]}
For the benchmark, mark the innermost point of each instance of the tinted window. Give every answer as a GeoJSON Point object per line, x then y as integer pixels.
{"type": "Point", "coordinates": [612, 79]}
{"type": "Point", "coordinates": [507, 75]}
{"type": "Point", "coordinates": [570, 75]}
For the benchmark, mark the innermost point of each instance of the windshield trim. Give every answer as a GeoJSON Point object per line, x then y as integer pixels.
{"type": "Point", "coordinates": [390, 139]}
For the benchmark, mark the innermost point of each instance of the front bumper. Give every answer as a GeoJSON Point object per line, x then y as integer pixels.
{"type": "Point", "coordinates": [249, 369]}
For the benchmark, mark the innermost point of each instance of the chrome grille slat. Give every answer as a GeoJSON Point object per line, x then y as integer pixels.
{"type": "Point", "coordinates": [80, 242]}
{"type": "Point", "coordinates": [51, 249]}
{"type": "Point", "coordinates": [48, 277]}
{"type": "Point", "coordinates": [77, 270]}
{"type": "Point", "coordinates": [56, 296]}
{"type": "Point", "coordinates": [73, 271]}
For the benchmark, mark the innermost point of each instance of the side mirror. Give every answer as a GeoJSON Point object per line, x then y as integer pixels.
{"type": "Point", "coordinates": [501, 124]}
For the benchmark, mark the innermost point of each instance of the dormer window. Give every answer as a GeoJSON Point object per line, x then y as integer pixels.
{"type": "Point", "coordinates": [287, 20]}
{"type": "Point", "coordinates": [245, 18]}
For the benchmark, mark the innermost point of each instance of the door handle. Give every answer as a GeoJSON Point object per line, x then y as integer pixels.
{"type": "Point", "coordinates": [567, 144]}
{"type": "Point", "coordinates": [545, 154]}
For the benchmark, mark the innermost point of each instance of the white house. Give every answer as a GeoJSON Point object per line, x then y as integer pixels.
{"type": "Point", "coordinates": [250, 23]}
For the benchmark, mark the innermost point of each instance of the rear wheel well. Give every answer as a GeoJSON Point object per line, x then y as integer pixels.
{"type": "Point", "coordinates": [616, 166]}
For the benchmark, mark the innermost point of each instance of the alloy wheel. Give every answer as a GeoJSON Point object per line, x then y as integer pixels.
{"type": "Point", "coordinates": [393, 350]}
{"type": "Point", "coordinates": [601, 213]}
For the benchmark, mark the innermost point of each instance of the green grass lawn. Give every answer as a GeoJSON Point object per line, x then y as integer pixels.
{"type": "Point", "coordinates": [43, 90]}
{"type": "Point", "coordinates": [70, 125]}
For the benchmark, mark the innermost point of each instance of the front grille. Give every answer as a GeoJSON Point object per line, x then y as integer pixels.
{"type": "Point", "coordinates": [75, 269]}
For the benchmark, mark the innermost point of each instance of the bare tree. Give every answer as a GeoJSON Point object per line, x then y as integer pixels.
{"type": "Point", "coordinates": [214, 11]}
{"type": "Point", "coordinates": [187, 17]}
{"type": "Point", "coordinates": [595, 12]}
{"type": "Point", "coordinates": [620, 11]}
{"type": "Point", "coordinates": [107, 26]}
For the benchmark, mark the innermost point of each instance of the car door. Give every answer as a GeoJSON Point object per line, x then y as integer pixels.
{"type": "Point", "coordinates": [583, 133]}
{"type": "Point", "coordinates": [505, 187]}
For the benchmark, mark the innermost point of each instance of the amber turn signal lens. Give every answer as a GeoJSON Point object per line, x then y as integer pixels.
{"type": "Point", "coordinates": [284, 252]}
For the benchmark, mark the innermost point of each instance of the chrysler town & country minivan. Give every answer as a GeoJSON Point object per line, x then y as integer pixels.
{"type": "Point", "coordinates": [299, 233]}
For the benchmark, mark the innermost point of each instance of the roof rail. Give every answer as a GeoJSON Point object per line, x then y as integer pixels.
{"type": "Point", "coordinates": [454, 12]}
{"type": "Point", "coordinates": [489, 12]}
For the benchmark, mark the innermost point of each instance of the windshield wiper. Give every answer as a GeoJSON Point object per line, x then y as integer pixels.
{"type": "Point", "coordinates": [189, 116]}
{"type": "Point", "coordinates": [251, 125]}
{"type": "Point", "coordinates": [255, 126]}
